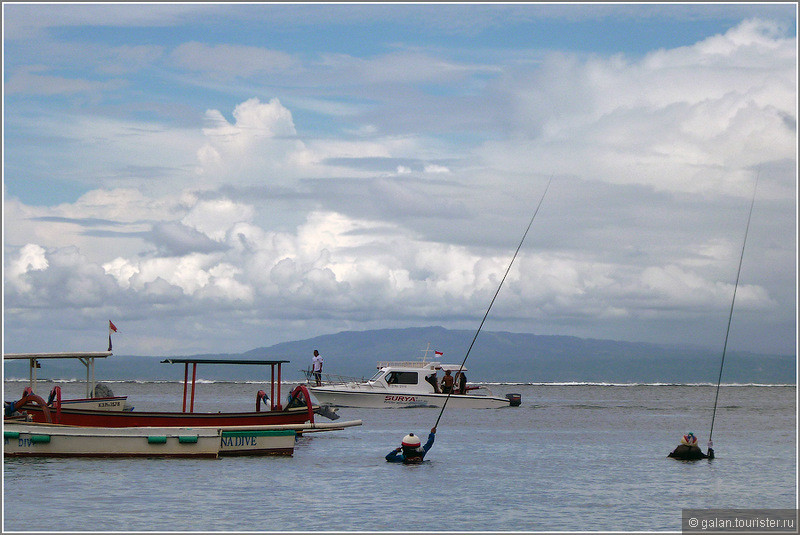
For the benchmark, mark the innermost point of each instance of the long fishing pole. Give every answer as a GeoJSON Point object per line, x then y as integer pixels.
{"type": "Point", "coordinates": [495, 297]}
{"type": "Point", "coordinates": [730, 315]}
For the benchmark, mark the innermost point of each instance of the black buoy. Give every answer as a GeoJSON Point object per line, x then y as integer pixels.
{"type": "Point", "coordinates": [514, 400]}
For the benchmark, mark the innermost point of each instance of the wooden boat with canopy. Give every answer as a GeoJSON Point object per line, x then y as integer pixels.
{"type": "Point", "coordinates": [298, 409]}
{"type": "Point", "coordinates": [97, 397]}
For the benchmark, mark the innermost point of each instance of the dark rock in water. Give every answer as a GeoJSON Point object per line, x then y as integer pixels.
{"type": "Point", "coordinates": [689, 453]}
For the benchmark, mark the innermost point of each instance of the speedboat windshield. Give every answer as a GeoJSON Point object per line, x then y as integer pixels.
{"type": "Point", "coordinates": [377, 375]}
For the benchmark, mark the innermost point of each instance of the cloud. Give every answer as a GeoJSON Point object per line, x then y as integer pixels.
{"type": "Point", "coordinates": [215, 218]}
{"type": "Point", "coordinates": [694, 119]}
{"type": "Point", "coordinates": [258, 147]}
{"type": "Point", "coordinates": [677, 288]}
{"type": "Point", "coordinates": [25, 21]}
{"type": "Point", "coordinates": [30, 258]}
{"type": "Point", "coordinates": [390, 189]}
{"type": "Point", "coordinates": [344, 267]}
{"type": "Point", "coordinates": [30, 81]}
{"type": "Point", "coordinates": [230, 60]}
{"type": "Point", "coordinates": [175, 239]}
{"type": "Point", "coordinates": [55, 279]}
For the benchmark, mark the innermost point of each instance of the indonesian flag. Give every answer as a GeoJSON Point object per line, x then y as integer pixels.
{"type": "Point", "coordinates": [111, 328]}
{"type": "Point", "coordinates": [438, 353]}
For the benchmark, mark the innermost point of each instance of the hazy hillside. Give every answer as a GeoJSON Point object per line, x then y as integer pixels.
{"type": "Point", "coordinates": [496, 356]}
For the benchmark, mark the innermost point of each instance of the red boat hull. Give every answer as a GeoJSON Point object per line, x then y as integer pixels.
{"type": "Point", "coordinates": [173, 419]}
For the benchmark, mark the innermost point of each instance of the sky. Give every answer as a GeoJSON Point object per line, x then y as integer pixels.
{"type": "Point", "coordinates": [215, 178]}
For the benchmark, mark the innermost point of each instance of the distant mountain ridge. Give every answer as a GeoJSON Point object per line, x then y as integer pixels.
{"type": "Point", "coordinates": [495, 357]}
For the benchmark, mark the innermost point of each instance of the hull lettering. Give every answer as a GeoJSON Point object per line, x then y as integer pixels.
{"type": "Point", "coordinates": [389, 399]}
{"type": "Point", "coordinates": [234, 442]}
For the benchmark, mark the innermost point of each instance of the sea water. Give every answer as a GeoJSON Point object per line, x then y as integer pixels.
{"type": "Point", "coordinates": [575, 457]}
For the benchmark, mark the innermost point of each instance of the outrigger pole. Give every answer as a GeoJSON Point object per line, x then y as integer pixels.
{"type": "Point", "coordinates": [495, 296]}
{"type": "Point", "coordinates": [730, 315]}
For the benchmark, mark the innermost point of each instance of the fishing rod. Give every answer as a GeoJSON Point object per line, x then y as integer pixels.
{"type": "Point", "coordinates": [495, 297]}
{"type": "Point", "coordinates": [730, 315]}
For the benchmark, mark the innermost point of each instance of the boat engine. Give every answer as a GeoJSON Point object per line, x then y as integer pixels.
{"type": "Point", "coordinates": [514, 400]}
{"type": "Point", "coordinates": [102, 391]}
{"type": "Point", "coordinates": [327, 411]}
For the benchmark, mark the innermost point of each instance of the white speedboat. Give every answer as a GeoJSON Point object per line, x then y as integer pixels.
{"type": "Point", "coordinates": [404, 385]}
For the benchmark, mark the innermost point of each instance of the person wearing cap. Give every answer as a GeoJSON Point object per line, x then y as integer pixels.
{"type": "Point", "coordinates": [410, 451]}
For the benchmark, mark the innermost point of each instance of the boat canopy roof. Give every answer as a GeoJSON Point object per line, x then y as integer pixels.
{"type": "Point", "coordinates": [453, 367]}
{"type": "Point", "coordinates": [85, 357]}
{"type": "Point", "coordinates": [67, 355]}
{"type": "Point", "coordinates": [420, 365]}
{"type": "Point", "coordinates": [222, 361]}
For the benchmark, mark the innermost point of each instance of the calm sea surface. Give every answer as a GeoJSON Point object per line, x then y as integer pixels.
{"type": "Point", "coordinates": [571, 457]}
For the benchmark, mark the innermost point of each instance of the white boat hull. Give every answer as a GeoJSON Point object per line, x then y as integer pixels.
{"type": "Point", "coordinates": [342, 396]}
{"type": "Point", "coordinates": [33, 439]}
{"type": "Point", "coordinates": [116, 403]}
{"type": "Point", "coordinates": [25, 439]}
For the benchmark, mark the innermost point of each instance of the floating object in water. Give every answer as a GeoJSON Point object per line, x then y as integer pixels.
{"type": "Point", "coordinates": [688, 450]}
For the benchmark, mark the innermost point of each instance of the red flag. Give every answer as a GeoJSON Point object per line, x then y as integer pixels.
{"type": "Point", "coordinates": [438, 353]}
{"type": "Point", "coordinates": [111, 328]}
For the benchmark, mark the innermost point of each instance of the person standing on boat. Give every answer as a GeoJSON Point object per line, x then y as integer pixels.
{"type": "Point", "coordinates": [447, 382]}
{"type": "Point", "coordinates": [316, 367]}
{"type": "Point", "coordinates": [433, 382]}
{"type": "Point", "coordinates": [461, 383]}
{"type": "Point", "coordinates": [410, 451]}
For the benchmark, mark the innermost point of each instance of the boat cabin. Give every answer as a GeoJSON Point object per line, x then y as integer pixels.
{"type": "Point", "coordinates": [412, 375]}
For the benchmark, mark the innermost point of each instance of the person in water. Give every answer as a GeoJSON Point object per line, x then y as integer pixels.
{"type": "Point", "coordinates": [688, 449]}
{"type": "Point", "coordinates": [410, 451]}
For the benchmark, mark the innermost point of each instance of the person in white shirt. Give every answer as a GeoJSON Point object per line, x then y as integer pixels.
{"type": "Point", "coordinates": [316, 367]}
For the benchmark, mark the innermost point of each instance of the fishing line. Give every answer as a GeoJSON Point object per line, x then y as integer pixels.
{"type": "Point", "coordinates": [730, 315]}
{"type": "Point", "coordinates": [495, 297]}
